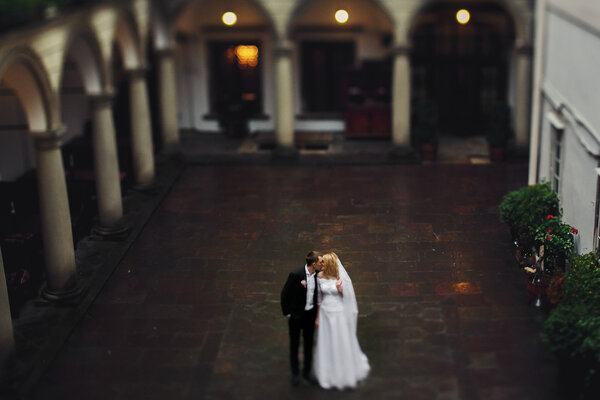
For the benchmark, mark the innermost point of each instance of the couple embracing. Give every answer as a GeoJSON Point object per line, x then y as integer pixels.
{"type": "Point", "coordinates": [322, 294]}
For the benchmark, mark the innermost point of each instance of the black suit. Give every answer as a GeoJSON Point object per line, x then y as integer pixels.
{"type": "Point", "coordinates": [293, 302]}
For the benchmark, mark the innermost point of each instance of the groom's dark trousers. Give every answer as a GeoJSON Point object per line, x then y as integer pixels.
{"type": "Point", "coordinates": [293, 302]}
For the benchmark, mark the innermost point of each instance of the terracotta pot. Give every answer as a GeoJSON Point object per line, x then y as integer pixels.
{"type": "Point", "coordinates": [536, 288]}
{"type": "Point", "coordinates": [428, 151]}
{"type": "Point", "coordinates": [496, 154]}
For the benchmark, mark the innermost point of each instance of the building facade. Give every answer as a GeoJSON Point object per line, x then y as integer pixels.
{"type": "Point", "coordinates": [565, 129]}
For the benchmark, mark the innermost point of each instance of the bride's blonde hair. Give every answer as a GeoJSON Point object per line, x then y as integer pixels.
{"type": "Point", "coordinates": [330, 265]}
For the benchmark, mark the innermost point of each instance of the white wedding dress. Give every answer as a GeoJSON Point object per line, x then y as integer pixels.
{"type": "Point", "coordinates": [338, 361]}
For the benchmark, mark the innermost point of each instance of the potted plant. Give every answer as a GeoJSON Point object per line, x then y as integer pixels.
{"type": "Point", "coordinates": [556, 238]}
{"type": "Point", "coordinates": [426, 130]}
{"type": "Point", "coordinates": [498, 131]}
{"type": "Point", "coordinates": [572, 330]}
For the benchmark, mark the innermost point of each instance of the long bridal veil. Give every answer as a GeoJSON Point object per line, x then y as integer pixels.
{"type": "Point", "coordinates": [349, 297]}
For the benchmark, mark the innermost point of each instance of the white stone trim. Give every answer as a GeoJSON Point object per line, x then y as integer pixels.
{"type": "Point", "coordinates": [587, 136]}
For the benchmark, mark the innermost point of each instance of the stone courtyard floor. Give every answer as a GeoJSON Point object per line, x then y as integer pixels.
{"type": "Point", "coordinates": [192, 311]}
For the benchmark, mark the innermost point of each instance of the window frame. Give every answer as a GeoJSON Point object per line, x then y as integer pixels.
{"type": "Point", "coordinates": [596, 243]}
{"type": "Point", "coordinates": [557, 133]}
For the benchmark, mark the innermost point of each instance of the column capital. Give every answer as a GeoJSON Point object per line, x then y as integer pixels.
{"type": "Point", "coordinates": [401, 50]}
{"type": "Point", "coordinates": [48, 140]}
{"type": "Point", "coordinates": [101, 99]}
{"type": "Point", "coordinates": [163, 53]}
{"type": "Point", "coordinates": [524, 49]}
{"type": "Point", "coordinates": [283, 48]}
{"type": "Point", "coordinates": [136, 73]}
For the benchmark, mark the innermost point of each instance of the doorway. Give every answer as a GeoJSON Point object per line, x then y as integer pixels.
{"type": "Point", "coordinates": [235, 84]}
{"type": "Point", "coordinates": [462, 69]}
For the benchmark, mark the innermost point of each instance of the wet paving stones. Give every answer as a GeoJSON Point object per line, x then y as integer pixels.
{"type": "Point", "coordinates": [193, 312]}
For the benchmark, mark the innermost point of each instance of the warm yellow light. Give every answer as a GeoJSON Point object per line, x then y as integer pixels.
{"type": "Point", "coordinates": [341, 16]}
{"type": "Point", "coordinates": [463, 16]}
{"type": "Point", "coordinates": [247, 55]}
{"type": "Point", "coordinates": [229, 18]}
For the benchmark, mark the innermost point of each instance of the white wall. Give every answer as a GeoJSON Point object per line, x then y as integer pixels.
{"type": "Point", "coordinates": [571, 87]}
{"type": "Point", "coordinates": [572, 65]}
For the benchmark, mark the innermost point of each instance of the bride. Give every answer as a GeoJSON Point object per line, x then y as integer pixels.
{"type": "Point", "coordinates": [338, 360]}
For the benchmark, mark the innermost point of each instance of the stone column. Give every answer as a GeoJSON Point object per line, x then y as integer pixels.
{"type": "Point", "coordinates": [284, 128]}
{"type": "Point", "coordinates": [523, 96]}
{"type": "Point", "coordinates": [401, 100]}
{"type": "Point", "coordinates": [141, 128]}
{"type": "Point", "coordinates": [7, 340]}
{"type": "Point", "coordinates": [57, 236]}
{"type": "Point", "coordinates": [106, 166]}
{"type": "Point", "coordinates": [168, 100]}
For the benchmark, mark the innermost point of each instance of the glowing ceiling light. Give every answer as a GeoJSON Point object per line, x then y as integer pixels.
{"type": "Point", "coordinates": [463, 16]}
{"type": "Point", "coordinates": [341, 16]}
{"type": "Point", "coordinates": [247, 55]}
{"type": "Point", "coordinates": [229, 18]}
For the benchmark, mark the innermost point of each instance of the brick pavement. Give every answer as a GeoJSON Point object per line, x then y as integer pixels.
{"type": "Point", "coordinates": [192, 311]}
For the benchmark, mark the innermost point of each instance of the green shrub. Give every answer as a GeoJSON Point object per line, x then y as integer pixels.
{"type": "Point", "coordinates": [582, 282]}
{"type": "Point", "coordinates": [15, 13]}
{"type": "Point", "coordinates": [572, 331]}
{"type": "Point", "coordinates": [525, 209]}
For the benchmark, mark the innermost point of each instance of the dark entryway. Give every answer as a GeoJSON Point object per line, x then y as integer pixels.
{"type": "Point", "coordinates": [324, 66]}
{"type": "Point", "coordinates": [235, 78]}
{"type": "Point", "coordinates": [461, 69]}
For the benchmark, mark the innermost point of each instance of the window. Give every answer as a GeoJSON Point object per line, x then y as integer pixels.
{"type": "Point", "coordinates": [325, 66]}
{"type": "Point", "coordinates": [556, 158]}
{"type": "Point", "coordinates": [235, 83]}
{"type": "Point", "coordinates": [557, 133]}
{"type": "Point", "coordinates": [597, 213]}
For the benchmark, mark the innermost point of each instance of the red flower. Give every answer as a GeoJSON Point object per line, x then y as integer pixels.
{"type": "Point", "coordinates": [548, 237]}
{"type": "Point", "coordinates": [549, 217]}
{"type": "Point", "coordinates": [549, 230]}
{"type": "Point", "coordinates": [574, 231]}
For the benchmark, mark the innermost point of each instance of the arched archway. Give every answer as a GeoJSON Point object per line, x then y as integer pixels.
{"type": "Point", "coordinates": [225, 72]}
{"type": "Point", "coordinates": [28, 105]}
{"type": "Point", "coordinates": [462, 70]}
{"type": "Point", "coordinates": [23, 72]}
{"type": "Point", "coordinates": [82, 75]}
{"type": "Point", "coordinates": [162, 31]}
{"type": "Point", "coordinates": [373, 14]}
{"type": "Point", "coordinates": [82, 78]}
{"type": "Point", "coordinates": [127, 42]}
{"type": "Point", "coordinates": [344, 68]}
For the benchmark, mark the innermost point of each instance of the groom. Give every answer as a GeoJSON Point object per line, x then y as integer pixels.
{"type": "Point", "coordinates": [299, 305]}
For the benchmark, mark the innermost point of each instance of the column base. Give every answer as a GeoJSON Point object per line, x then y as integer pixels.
{"type": "Point", "coordinates": [518, 153]}
{"type": "Point", "coordinates": [172, 149]}
{"type": "Point", "coordinates": [406, 155]}
{"type": "Point", "coordinates": [9, 373]}
{"type": "Point", "coordinates": [67, 295]}
{"type": "Point", "coordinates": [169, 155]}
{"type": "Point", "coordinates": [151, 187]}
{"type": "Point", "coordinates": [117, 232]}
{"type": "Point", "coordinates": [281, 153]}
